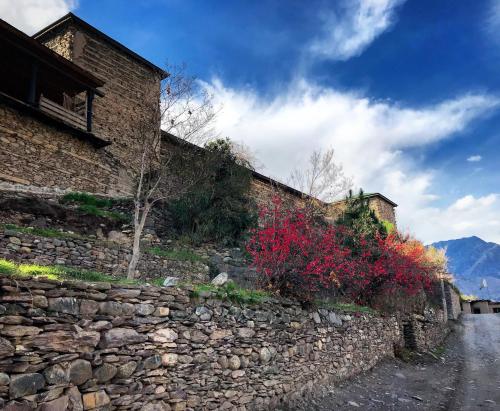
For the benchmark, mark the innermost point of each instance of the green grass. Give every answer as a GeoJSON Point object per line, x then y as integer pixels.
{"type": "Point", "coordinates": [90, 209]}
{"type": "Point", "coordinates": [182, 254]}
{"type": "Point", "coordinates": [347, 307]}
{"type": "Point", "coordinates": [88, 199]}
{"type": "Point", "coordinates": [231, 292]}
{"type": "Point", "coordinates": [58, 272]}
{"type": "Point", "coordinates": [42, 232]}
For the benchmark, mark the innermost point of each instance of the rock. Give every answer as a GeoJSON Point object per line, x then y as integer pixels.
{"type": "Point", "coordinates": [220, 279]}
{"type": "Point", "coordinates": [95, 400]}
{"type": "Point", "coordinates": [25, 250]}
{"type": "Point", "coordinates": [161, 312]}
{"type": "Point", "coordinates": [204, 313]}
{"type": "Point", "coordinates": [126, 370]}
{"type": "Point", "coordinates": [59, 404]}
{"type": "Point", "coordinates": [105, 372]}
{"type": "Point", "coordinates": [118, 337]}
{"type": "Point", "coordinates": [19, 331]}
{"type": "Point", "coordinates": [316, 317]}
{"type": "Point", "coordinates": [144, 309]}
{"type": "Point", "coordinates": [56, 374]}
{"type": "Point", "coordinates": [153, 362]}
{"type": "Point", "coordinates": [6, 348]}
{"type": "Point", "coordinates": [40, 301]}
{"type": "Point", "coordinates": [220, 334]}
{"type": "Point", "coordinates": [334, 319]}
{"type": "Point", "coordinates": [198, 337]}
{"type": "Point", "coordinates": [237, 373]}
{"type": "Point", "coordinates": [80, 371]}
{"type": "Point", "coordinates": [67, 305]}
{"type": "Point", "coordinates": [25, 384]}
{"type": "Point", "coordinates": [74, 399]}
{"type": "Point", "coordinates": [88, 308]}
{"type": "Point", "coordinates": [111, 308]}
{"type": "Point", "coordinates": [15, 240]}
{"type": "Point", "coordinates": [4, 379]}
{"type": "Point", "coordinates": [169, 359]}
{"type": "Point", "coordinates": [164, 335]}
{"type": "Point", "coordinates": [124, 293]}
{"type": "Point", "coordinates": [265, 355]}
{"type": "Point", "coordinates": [234, 362]}
{"type": "Point", "coordinates": [353, 404]}
{"type": "Point", "coordinates": [245, 332]}
{"type": "Point", "coordinates": [118, 237]}
{"type": "Point", "coordinates": [170, 282]}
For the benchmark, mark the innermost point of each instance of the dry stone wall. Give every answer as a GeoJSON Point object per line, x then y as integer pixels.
{"type": "Point", "coordinates": [80, 346]}
{"type": "Point", "coordinates": [96, 255]}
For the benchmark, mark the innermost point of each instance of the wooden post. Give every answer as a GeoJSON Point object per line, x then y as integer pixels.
{"type": "Point", "coordinates": [33, 82]}
{"type": "Point", "coordinates": [90, 99]}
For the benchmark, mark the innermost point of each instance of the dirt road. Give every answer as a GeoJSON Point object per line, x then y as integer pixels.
{"type": "Point", "coordinates": [464, 377]}
{"type": "Point", "coordinates": [479, 385]}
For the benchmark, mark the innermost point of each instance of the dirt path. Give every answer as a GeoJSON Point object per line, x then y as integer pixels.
{"type": "Point", "coordinates": [479, 387]}
{"type": "Point", "coordinates": [465, 377]}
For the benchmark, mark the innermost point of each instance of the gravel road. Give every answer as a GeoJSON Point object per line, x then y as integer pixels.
{"type": "Point", "coordinates": [464, 377]}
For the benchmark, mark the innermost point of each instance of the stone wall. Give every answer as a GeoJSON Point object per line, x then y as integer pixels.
{"type": "Point", "coordinates": [148, 348]}
{"type": "Point", "coordinates": [424, 332]}
{"type": "Point", "coordinates": [383, 210]}
{"type": "Point", "coordinates": [131, 90]}
{"type": "Point", "coordinates": [453, 306]}
{"type": "Point", "coordinates": [35, 154]}
{"type": "Point", "coordinates": [95, 255]}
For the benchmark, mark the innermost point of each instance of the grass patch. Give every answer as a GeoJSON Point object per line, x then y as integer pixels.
{"type": "Point", "coordinates": [231, 292]}
{"type": "Point", "coordinates": [347, 307]}
{"type": "Point", "coordinates": [90, 209]}
{"type": "Point", "coordinates": [182, 254]}
{"type": "Point", "coordinates": [59, 272]}
{"type": "Point", "coordinates": [87, 199]}
{"type": "Point", "coordinates": [42, 232]}
{"type": "Point", "coordinates": [439, 351]}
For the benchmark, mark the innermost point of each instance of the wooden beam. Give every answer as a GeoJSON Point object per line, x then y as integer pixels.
{"type": "Point", "coordinates": [90, 99]}
{"type": "Point", "coordinates": [33, 83]}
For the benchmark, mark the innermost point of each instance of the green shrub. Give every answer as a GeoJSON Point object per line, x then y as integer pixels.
{"type": "Point", "coordinates": [42, 232]}
{"type": "Point", "coordinates": [347, 307]}
{"type": "Point", "coordinates": [7, 267]}
{"type": "Point", "coordinates": [230, 291]}
{"type": "Point", "coordinates": [95, 211]}
{"type": "Point", "coordinates": [217, 207]}
{"type": "Point", "coordinates": [87, 199]}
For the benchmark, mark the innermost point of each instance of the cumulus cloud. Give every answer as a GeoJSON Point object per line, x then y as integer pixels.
{"type": "Point", "coordinates": [32, 15]}
{"type": "Point", "coordinates": [348, 32]}
{"type": "Point", "coordinates": [474, 159]}
{"type": "Point", "coordinates": [370, 138]}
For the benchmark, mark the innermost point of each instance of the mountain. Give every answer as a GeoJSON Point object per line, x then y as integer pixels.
{"type": "Point", "coordinates": [470, 261]}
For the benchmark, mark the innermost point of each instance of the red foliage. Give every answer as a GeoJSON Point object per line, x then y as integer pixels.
{"type": "Point", "coordinates": [296, 256]}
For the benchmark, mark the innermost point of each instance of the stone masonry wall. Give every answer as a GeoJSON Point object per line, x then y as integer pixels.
{"type": "Point", "coordinates": [131, 91]}
{"type": "Point", "coordinates": [95, 255]}
{"type": "Point", "coordinates": [74, 346]}
{"type": "Point", "coordinates": [452, 302]}
{"type": "Point", "coordinates": [34, 154]}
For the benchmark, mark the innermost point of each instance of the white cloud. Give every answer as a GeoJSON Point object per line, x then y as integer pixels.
{"type": "Point", "coordinates": [474, 159]}
{"type": "Point", "coordinates": [32, 15]}
{"type": "Point", "coordinates": [348, 33]}
{"type": "Point", "coordinates": [370, 139]}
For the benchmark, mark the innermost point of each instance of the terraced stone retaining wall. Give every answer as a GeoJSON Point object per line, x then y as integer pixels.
{"type": "Point", "coordinates": [84, 346]}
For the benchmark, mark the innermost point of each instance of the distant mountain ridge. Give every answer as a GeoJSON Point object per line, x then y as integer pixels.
{"type": "Point", "coordinates": [471, 260]}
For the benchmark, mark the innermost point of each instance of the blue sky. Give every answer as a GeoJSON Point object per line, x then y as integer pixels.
{"type": "Point", "coordinates": [406, 92]}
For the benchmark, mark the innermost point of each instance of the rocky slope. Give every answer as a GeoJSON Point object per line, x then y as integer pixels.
{"type": "Point", "coordinates": [471, 260]}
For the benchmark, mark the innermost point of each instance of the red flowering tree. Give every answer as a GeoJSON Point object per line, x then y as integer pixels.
{"type": "Point", "coordinates": [296, 255]}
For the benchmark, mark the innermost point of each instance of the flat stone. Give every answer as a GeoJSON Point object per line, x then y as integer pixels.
{"type": "Point", "coordinates": [153, 362]}
{"type": "Point", "coordinates": [170, 282]}
{"type": "Point", "coordinates": [105, 372]}
{"type": "Point", "coordinates": [169, 359]}
{"type": "Point", "coordinates": [144, 309]}
{"type": "Point", "coordinates": [19, 330]}
{"type": "Point", "coordinates": [245, 332]}
{"type": "Point", "coordinates": [80, 371]}
{"type": "Point", "coordinates": [88, 308]}
{"type": "Point", "coordinates": [124, 293]}
{"type": "Point", "coordinates": [56, 374]}
{"type": "Point", "coordinates": [75, 399]}
{"type": "Point", "coordinates": [95, 400]}
{"type": "Point", "coordinates": [40, 301]}
{"type": "Point", "coordinates": [67, 305]}
{"type": "Point", "coordinates": [25, 384]}
{"type": "Point", "coordinates": [126, 370]}
{"type": "Point", "coordinates": [15, 240]}
{"type": "Point", "coordinates": [6, 348]}
{"type": "Point", "coordinates": [110, 308]}
{"type": "Point", "coordinates": [161, 312]}
{"type": "Point", "coordinates": [198, 337]}
{"type": "Point", "coordinates": [118, 337]}
{"type": "Point", "coordinates": [59, 404]}
{"type": "Point", "coordinates": [164, 335]}
{"type": "Point", "coordinates": [237, 373]}
{"type": "Point", "coordinates": [220, 279]}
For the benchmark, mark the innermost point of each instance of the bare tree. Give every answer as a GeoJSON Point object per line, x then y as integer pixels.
{"type": "Point", "coordinates": [183, 109]}
{"type": "Point", "coordinates": [323, 179]}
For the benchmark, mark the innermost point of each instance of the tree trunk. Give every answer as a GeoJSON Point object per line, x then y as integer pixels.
{"type": "Point", "coordinates": [139, 222]}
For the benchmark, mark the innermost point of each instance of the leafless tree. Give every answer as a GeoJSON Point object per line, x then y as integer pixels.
{"type": "Point", "coordinates": [184, 109]}
{"type": "Point", "coordinates": [323, 179]}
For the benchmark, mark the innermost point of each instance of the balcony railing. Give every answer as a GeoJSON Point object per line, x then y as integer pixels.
{"type": "Point", "coordinates": [68, 116]}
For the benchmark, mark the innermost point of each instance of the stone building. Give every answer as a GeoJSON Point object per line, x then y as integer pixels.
{"type": "Point", "coordinates": [481, 307]}
{"type": "Point", "coordinates": [71, 99]}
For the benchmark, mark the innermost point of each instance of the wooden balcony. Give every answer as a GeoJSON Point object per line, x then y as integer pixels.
{"type": "Point", "coordinates": [68, 116]}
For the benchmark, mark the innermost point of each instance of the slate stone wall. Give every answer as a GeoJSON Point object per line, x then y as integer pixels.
{"type": "Point", "coordinates": [96, 346]}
